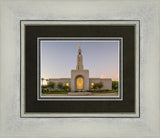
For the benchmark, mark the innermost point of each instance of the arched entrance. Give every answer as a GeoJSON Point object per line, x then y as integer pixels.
{"type": "Point", "coordinates": [79, 83]}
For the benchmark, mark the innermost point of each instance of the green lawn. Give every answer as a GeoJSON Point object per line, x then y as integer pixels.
{"type": "Point", "coordinates": [55, 92]}
{"type": "Point", "coordinates": [111, 91]}
{"type": "Point", "coordinates": [65, 92]}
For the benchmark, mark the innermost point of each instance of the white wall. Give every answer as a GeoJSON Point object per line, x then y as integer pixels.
{"type": "Point", "coordinates": [62, 80]}
{"type": "Point", "coordinates": [107, 83]}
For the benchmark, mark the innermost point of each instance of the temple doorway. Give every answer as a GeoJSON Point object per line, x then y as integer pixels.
{"type": "Point", "coordinates": [79, 83]}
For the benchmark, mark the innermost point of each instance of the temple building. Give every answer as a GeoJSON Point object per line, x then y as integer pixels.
{"type": "Point", "coordinates": [80, 80]}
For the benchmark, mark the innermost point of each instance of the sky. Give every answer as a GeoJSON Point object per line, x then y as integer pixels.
{"type": "Point", "coordinates": [100, 57]}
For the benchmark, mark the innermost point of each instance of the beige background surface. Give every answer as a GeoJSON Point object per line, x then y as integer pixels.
{"type": "Point", "coordinates": [12, 126]}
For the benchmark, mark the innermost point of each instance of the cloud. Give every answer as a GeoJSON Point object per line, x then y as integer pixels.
{"type": "Point", "coordinates": [103, 76]}
{"type": "Point", "coordinates": [117, 77]}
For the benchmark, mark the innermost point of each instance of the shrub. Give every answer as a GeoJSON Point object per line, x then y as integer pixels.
{"type": "Point", "coordinates": [98, 85]}
{"type": "Point", "coordinates": [115, 85]}
{"type": "Point", "coordinates": [94, 86]}
{"type": "Point", "coordinates": [50, 85]}
{"type": "Point", "coordinates": [66, 88]}
{"type": "Point", "coordinates": [60, 85]}
{"type": "Point", "coordinates": [44, 86]}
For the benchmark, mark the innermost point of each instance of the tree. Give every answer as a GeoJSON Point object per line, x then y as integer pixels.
{"type": "Point", "coordinates": [60, 85]}
{"type": "Point", "coordinates": [100, 85]}
{"type": "Point", "coordinates": [97, 85]}
{"type": "Point", "coordinates": [51, 85]}
{"type": "Point", "coordinates": [42, 80]}
{"type": "Point", "coordinates": [115, 85]}
{"type": "Point", "coordinates": [94, 86]}
{"type": "Point", "coordinates": [47, 80]}
{"type": "Point", "coordinates": [42, 84]}
{"type": "Point", "coordinates": [66, 88]}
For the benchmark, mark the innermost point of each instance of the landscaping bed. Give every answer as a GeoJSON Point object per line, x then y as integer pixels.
{"type": "Point", "coordinates": [66, 92]}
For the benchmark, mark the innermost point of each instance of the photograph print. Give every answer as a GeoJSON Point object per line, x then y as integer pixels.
{"type": "Point", "coordinates": [79, 68]}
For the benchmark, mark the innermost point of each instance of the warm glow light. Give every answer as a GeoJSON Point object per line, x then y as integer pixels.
{"type": "Point", "coordinates": [92, 84]}
{"type": "Point", "coordinates": [117, 77]}
{"type": "Point", "coordinates": [67, 84]}
{"type": "Point", "coordinates": [79, 83]}
{"type": "Point", "coordinates": [103, 76]}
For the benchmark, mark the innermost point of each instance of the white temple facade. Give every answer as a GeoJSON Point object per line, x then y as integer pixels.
{"type": "Point", "coordinates": [80, 80]}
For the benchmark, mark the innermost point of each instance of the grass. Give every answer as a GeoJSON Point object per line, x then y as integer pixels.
{"type": "Point", "coordinates": [66, 92]}
{"type": "Point", "coordinates": [56, 92]}
{"type": "Point", "coordinates": [110, 91]}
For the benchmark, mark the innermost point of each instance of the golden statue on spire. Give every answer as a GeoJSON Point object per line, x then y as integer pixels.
{"type": "Point", "coordinates": [79, 59]}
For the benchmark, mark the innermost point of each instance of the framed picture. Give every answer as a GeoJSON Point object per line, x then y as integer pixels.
{"type": "Point", "coordinates": [75, 69]}
{"type": "Point", "coordinates": [80, 68]}
{"type": "Point", "coordinates": [79, 86]}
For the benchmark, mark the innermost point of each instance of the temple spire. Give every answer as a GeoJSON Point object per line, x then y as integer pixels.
{"type": "Point", "coordinates": [79, 59]}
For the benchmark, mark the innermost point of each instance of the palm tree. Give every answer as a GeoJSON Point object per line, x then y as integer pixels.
{"type": "Point", "coordinates": [47, 81]}
{"type": "Point", "coordinates": [42, 80]}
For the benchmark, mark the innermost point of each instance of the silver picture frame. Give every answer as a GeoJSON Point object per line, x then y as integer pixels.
{"type": "Point", "coordinates": [121, 23]}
